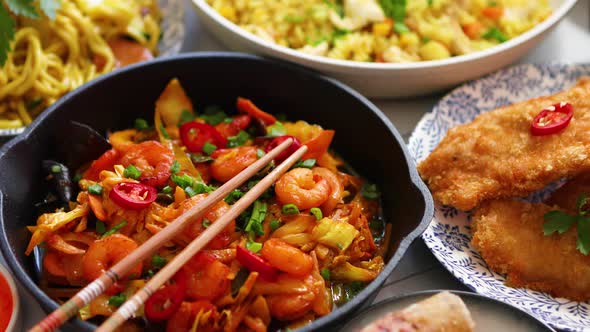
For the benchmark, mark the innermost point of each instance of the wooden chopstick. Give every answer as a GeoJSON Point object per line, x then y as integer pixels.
{"type": "Point", "coordinates": [129, 308]}
{"type": "Point", "coordinates": [109, 277]}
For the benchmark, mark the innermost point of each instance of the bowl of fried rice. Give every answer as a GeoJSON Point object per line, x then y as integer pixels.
{"type": "Point", "coordinates": [387, 48]}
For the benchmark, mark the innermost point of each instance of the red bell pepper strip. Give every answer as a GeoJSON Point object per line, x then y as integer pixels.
{"type": "Point", "coordinates": [255, 263]}
{"type": "Point", "coordinates": [194, 135]}
{"type": "Point", "coordinates": [247, 106]}
{"type": "Point", "coordinates": [318, 145]}
{"type": "Point", "coordinates": [552, 119]}
{"type": "Point", "coordinates": [290, 150]}
{"type": "Point", "coordinates": [166, 300]}
{"type": "Point", "coordinates": [133, 196]}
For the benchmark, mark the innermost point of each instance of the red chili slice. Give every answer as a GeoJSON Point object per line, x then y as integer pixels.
{"type": "Point", "coordinates": [247, 106]}
{"type": "Point", "coordinates": [253, 262]}
{"type": "Point", "coordinates": [133, 196]}
{"type": "Point", "coordinates": [290, 150]}
{"type": "Point", "coordinates": [239, 122]}
{"type": "Point", "coordinates": [194, 135]}
{"type": "Point", "coordinates": [166, 300]}
{"type": "Point", "coordinates": [552, 119]}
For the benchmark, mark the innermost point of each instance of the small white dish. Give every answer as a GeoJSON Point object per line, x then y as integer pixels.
{"type": "Point", "coordinates": [449, 234]}
{"type": "Point", "coordinates": [389, 79]}
{"type": "Point", "coordinates": [15, 322]}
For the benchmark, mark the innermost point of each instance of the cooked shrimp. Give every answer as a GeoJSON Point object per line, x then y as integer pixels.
{"type": "Point", "coordinates": [229, 162]}
{"type": "Point", "coordinates": [336, 189]}
{"type": "Point", "coordinates": [287, 258]}
{"type": "Point", "coordinates": [290, 306]}
{"type": "Point", "coordinates": [153, 160]}
{"type": "Point", "coordinates": [64, 266]}
{"type": "Point", "coordinates": [104, 253]}
{"type": "Point", "coordinates": [196, 228]}
{"type": "Point", "coordinates": [303, 187]}
{"type": "Point", "coordinates": [207, 277]}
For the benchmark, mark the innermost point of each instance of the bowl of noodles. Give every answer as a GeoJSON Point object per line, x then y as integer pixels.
{"type": "Point", "coordinates": [52, 54]}
{"type": "Point", "coordinates": [387, 48]}
{"type": "Point", "coordinates": [322, 250]}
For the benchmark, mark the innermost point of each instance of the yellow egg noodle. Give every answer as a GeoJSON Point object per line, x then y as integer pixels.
{"type": "Point", "coordinates": [52, 57]}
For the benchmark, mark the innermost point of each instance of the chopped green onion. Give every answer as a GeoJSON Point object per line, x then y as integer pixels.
{"type": "Point", "coordinates": [276, 129]}
{"type": "Point", "coordinates": [190, 191]}
{"type": "Point", "coordinates": [370, 191]}
{"type": "Point", "coordinates": [185, 116]}
{"type": "Point", "coordinates": [307, 163]}
{"type": "Point", "coordinates": [167, 190]}
{"type": "Point", "coordinates": [117, 300]}
{"type": "Point", "coordinates": [56, 169]}
{"type": "Point", "coordinates": [95, 189]}
{"type": "Point", "coordinates": [240, 139]}
{"type": "Point", "coordinates": [202, 188]}
{"type": "Point", "coordinates": [214, 115]}
{"type": "Point", "coordinates": [158, 261]}
{"type": "Point", "coordinates": [132, 172]}
{"type": "Point", "coordinates": [206, 223]}
{"type": "Point", "coordinates": [228, 120]}
{"type": "Point", "coordinates": [175, 168]}
{"type": "Point", "coordinates": [182, 181]}
{"type": "Point", "coordinates": [496, 34]}
{"type": "Point", "coordinates": [164, 132]}
{"type": "Point", "coordinates": [199, 158]}
{"type": "Point", "coordinates": [260, 153]}
{"type": "Point", "coordinates": [115, 229]}
{"type": "Point", "coordinates": [256, 218]}
{"type": "Point", "coordinates": [400, 27]}
{"type": "Point", "coordinates": [77, 177]}
{"type": "Point", "coordinates": [234, 196]}
{"type": "Point", "coordinates": [141, 124]}
{"type": "Point", "coordinates": [290, 209]}
{"type": "Point", "coordinates": [317, 213]}
{"type": "Point", "coordinates": [100, 227]}
{"type": "Point", "coordinates": [209, 148]}
{"type": "Point", "coordinates": [325, 274]}
{"type": "Point", "coordinates": [274, 225]}
{"type": "Point", "coordinates": [253, 246]}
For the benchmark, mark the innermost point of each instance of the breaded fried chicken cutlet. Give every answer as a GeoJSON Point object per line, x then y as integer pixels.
{"type": "Point", "coordinates": [497, 156]}
{"type": "Point", "coordinates": [509, 236]}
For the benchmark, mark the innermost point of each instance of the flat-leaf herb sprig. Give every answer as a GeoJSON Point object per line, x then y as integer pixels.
{"type": "Point", "coordinates": [561, 222]}
{"type": "Point", "coordinates": [26, 8]}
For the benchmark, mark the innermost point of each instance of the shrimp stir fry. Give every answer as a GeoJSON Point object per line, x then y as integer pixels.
{"type": "Point", "coordinates": [306, 246]}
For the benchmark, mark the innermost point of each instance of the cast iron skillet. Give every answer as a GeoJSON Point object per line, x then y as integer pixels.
{"type": "Point", "coordinates": [364, 137]}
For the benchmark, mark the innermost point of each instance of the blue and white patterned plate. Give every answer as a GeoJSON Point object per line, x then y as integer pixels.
{"type": "Point", "coordinates": [449, 235]}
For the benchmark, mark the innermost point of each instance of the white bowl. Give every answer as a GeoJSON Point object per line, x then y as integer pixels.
{"type": "Point", "coordinates": [389, 79]}
{"type": "Point", "coordinates": [15, 323]}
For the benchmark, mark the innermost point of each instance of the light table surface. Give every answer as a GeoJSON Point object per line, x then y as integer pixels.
{"type": "Point", "coordinates": [418, 270]}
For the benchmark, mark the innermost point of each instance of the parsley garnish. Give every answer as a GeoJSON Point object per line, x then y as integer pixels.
{"type": "Point", "coordinates": [25, 8]}
{"type": "Point", "coordinates": [561, 222]}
